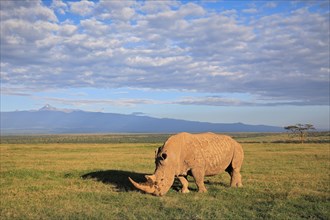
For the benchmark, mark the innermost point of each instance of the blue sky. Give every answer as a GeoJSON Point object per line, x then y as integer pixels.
{"type": "Point", "coordinates": [255, 62]}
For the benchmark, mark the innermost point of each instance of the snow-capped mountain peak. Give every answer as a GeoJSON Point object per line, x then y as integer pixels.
{"type": "Point", "coordinates": [48, 107]}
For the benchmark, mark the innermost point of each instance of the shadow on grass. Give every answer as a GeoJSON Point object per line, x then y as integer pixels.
{"type": "Point", "coordinates": [118, 178]}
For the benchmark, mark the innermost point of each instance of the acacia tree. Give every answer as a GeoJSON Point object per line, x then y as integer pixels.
{"type": "Point", "coordinates": [300, 129]}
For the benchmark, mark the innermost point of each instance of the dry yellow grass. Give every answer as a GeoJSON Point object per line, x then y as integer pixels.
{"type": "Point", "coordinates": [44, 181]}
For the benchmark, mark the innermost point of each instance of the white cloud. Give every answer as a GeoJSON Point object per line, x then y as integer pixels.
{"type": "Point", "coordinates": [154, 7]}
{"type": "Point", "coordinates": [94, 27]}
{"type": "Point", "coordinates": [26, 10]}
{"type": "Point", "coordinates": [271, 5]}
{"type": "Point", "coordinates": [82, 8]}
{"type": "Point", "coordinates": [104, 102]}
{"type": "Point", "coordinates": [167, 45]}
{"type": "Point", "coordinates": [59, 6]}
{"type": "Point", "coordinates": [250, 10]}
{"type": "Point", "coordinates": [191, 9]}
{"type": "Point", "coordinates": [154, 61]}
{"type": "Point", "coordinates": [67, 29]}
{"type": "Point", "coordinates": [117, 10]}
{"type": "Point", "coordinates": [210, 100]}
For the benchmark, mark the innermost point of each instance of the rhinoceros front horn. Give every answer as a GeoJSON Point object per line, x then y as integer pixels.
{"type": "Point", "coordinates": [143, 187]}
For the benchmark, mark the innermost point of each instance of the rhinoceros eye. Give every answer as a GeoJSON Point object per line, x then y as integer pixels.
{"type": "Point", "coordinates": [164, 156]}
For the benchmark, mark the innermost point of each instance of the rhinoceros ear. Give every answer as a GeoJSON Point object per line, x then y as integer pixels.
{"type": "Point", "coordinates": [151, 178]}
{"type": "Point", "coordinates": [157, 151]}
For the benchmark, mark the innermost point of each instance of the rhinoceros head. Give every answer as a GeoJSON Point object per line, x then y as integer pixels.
{"type": "Point", "coordinates": [167, 161]}
{"type": "Point", "coordinates": [161, 181]}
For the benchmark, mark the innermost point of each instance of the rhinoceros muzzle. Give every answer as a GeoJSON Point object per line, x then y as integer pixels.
{"type": "Point", "coordinates": [152, 186]}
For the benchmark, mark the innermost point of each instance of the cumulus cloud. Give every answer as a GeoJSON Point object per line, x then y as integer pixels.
{"type": "Point", "coordinates": [26, 10]}
{"type": "Point", "coordinates": [118, 10]}
{"type": "Point", "coordinates": [82, 8]}
{"type": "Point", "coordinates": [278, 57]}
{"type": "Point", "coordinates": [59, 6]}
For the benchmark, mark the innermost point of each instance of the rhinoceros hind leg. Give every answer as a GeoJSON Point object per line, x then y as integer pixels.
{"type": "Point", "coordinates": [234, 168]}
{"type": "Point", "coordinates": [184, 183]}
{"type": "Point", "coordinates": [236, 179]}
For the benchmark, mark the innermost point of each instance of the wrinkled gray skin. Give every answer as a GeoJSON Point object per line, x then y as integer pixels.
{"type": "Point", "coordinates": [199, 155]}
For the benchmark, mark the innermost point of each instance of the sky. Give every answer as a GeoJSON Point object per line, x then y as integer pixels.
{"type": "Point", "coordinates": [254, 62]}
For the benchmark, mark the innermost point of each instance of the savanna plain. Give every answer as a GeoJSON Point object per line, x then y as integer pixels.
{"type": "Point", "coordinates": [86, 177]}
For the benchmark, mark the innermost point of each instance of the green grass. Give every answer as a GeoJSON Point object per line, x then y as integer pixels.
{"type": "Point", "coordinates": [43, 180]}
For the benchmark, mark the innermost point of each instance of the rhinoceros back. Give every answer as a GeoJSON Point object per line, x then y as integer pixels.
{"type": "Point", "coordinates": [214, 152]}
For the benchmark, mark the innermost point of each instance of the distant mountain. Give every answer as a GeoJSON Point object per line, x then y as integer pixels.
{"type": "Point", "coordinates": [48, 107]}
{"type": "Point", "coordinates": [51, 120]}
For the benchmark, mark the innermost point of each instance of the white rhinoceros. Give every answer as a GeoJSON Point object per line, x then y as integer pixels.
{"type": "Point", "coordinates": [198, 155]}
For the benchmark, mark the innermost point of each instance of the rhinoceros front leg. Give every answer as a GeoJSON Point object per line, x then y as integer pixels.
{"type": "Point", "coordinates": [198, 175]}
{"type": "Point", "coordinates": [184, 183]}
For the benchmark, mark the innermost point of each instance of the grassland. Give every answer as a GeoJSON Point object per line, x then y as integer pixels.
{"type": "Point", "coordinates": [85, 177]}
